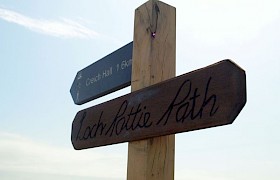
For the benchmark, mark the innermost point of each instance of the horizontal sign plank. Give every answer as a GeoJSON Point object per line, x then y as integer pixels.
{"type": "Point", "coordinates": [208, 97]}
{"type": "Point", "coordinates": [109, 74]}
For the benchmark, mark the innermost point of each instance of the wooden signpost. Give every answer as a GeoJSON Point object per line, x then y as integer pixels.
{"type": "Point", "coordinates": [160, 104]}
{"type": "Point", "coordinates": [154, 56]}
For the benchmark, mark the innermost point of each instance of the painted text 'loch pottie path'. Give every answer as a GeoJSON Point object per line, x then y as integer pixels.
{"type": "Point", "coordinates": [208, 97]}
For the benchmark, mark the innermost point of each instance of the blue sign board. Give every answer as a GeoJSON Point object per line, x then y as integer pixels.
{"type": "Point", "coordinates": [109, 74]}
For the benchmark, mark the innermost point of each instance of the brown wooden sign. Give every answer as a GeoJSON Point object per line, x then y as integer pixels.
{"type": "Point", "coordinates": [208, 97]}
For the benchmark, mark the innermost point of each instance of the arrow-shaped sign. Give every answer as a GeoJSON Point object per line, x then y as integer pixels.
{"type": "Point", "coordinates": [208, 97]}
{"type": "Point", "coordinates": [105, 76]}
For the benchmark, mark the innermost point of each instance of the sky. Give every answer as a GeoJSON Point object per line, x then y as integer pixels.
{"type": "Point", "coordinates": [43, 44]}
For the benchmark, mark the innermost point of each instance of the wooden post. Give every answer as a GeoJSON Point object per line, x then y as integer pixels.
{"type": "Point", "coordinates": [154, 49]}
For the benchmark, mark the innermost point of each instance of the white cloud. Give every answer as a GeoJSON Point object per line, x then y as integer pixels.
{"type": "Point", "coordinates": [20, 155]}
{"type": "Point", "coordinates": [64, 28]}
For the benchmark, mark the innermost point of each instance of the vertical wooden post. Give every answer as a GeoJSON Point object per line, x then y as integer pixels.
{"type": "Point", "coordinates": [154, 47]}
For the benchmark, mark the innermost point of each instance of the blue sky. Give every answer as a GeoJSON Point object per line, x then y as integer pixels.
{"type": "Point", "coordinates": [44, 44]}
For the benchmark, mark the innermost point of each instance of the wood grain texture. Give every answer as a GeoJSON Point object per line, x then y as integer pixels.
{"type": "Point", "coordinates": [208, 97]}
{"type": "Point", "coordinates": [154, 57]}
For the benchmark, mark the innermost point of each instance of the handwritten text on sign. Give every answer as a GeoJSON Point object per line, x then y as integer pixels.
{"type": "Point", "coordinates": [208, 97]}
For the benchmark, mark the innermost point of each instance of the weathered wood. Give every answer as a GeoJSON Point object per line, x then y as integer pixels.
{"type": "Point", "coordinates": [154, 55]}
{"type": "Point", "coordinates": [208, 97]}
